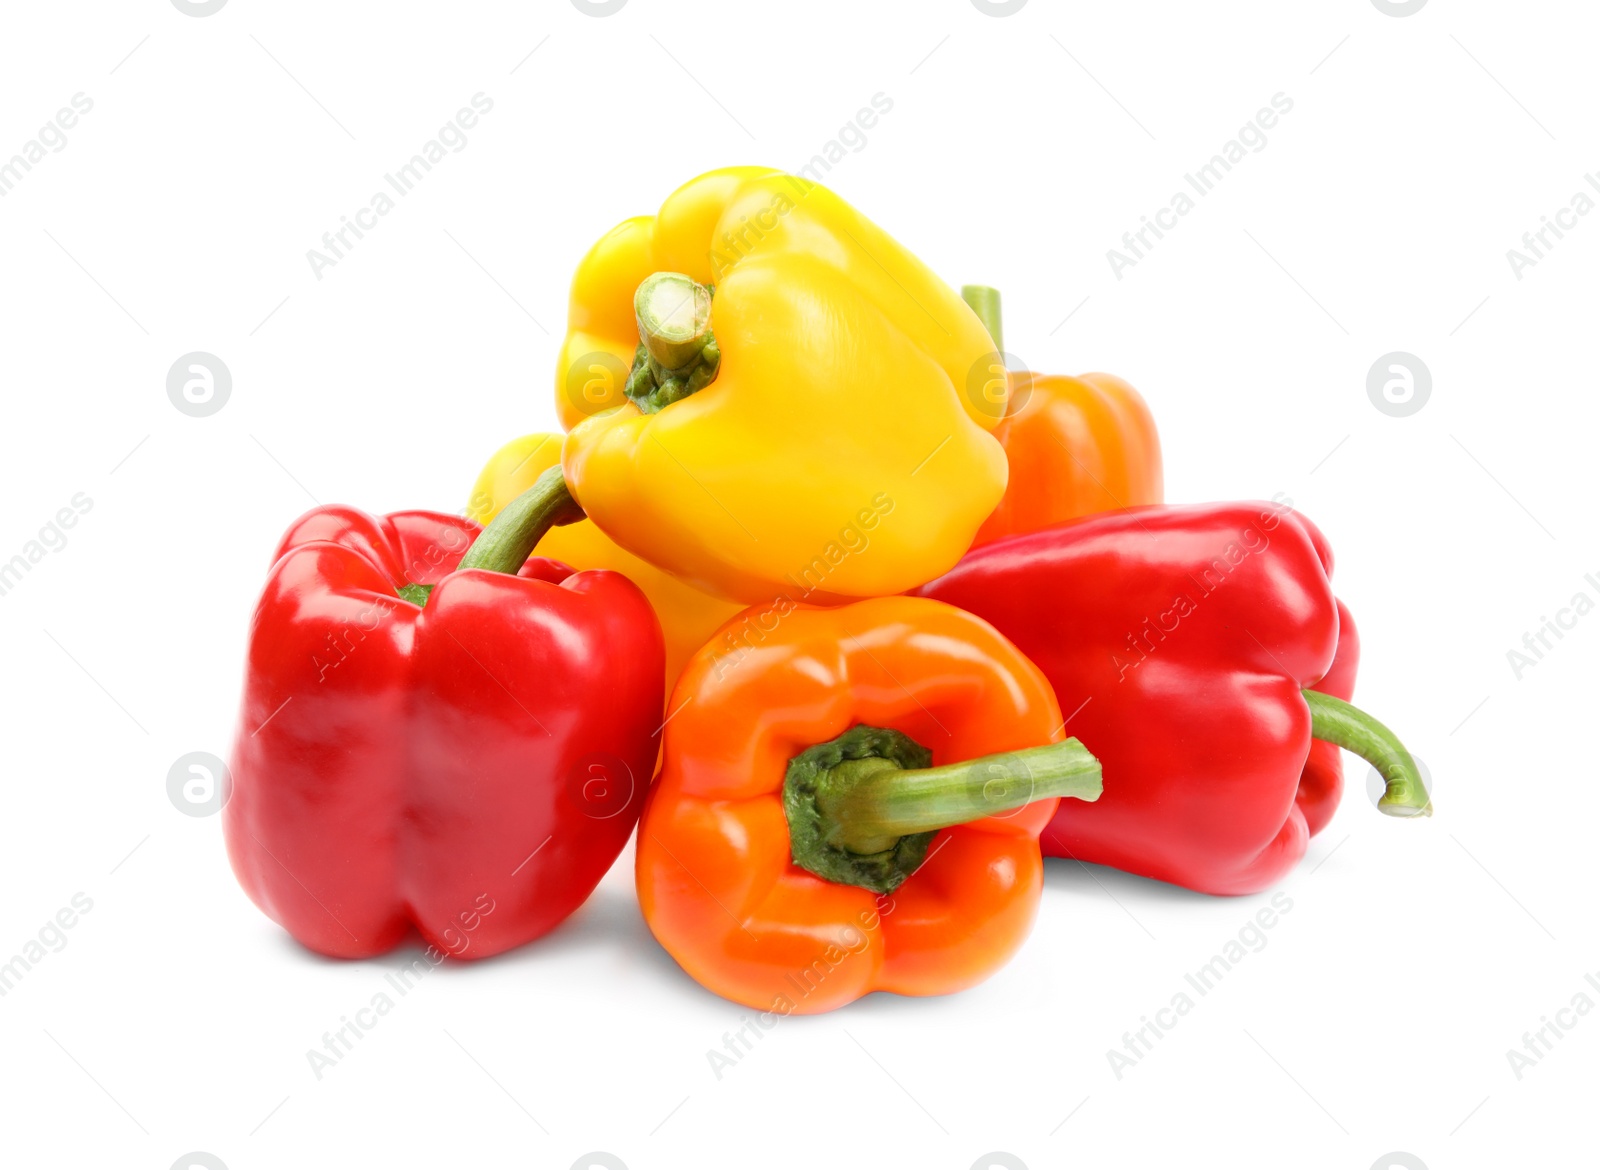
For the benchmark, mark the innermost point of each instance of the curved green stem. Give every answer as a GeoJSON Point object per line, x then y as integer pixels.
{"type": "Point", "coordinates": [873, 801]}
{"type": "Point", "coordinates": [510, 537]}
{"type": "Point", "coordinates": [985, 302]}
{"type": "Point", "coordinates": [863, 808]}
{"type": "Point", "coordinates": [1354, 730]}
{"type": "Point", "coordinates": [678, 354]}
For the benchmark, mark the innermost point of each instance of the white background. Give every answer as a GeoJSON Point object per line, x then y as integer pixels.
{"type": "Point", "coordinates": [177, 218]}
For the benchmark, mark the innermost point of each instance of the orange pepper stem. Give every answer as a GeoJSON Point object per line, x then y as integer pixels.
{"type": "Point", "coordinates": [863, 808]}
{"type": "Point", "coordinates": [985, 302]}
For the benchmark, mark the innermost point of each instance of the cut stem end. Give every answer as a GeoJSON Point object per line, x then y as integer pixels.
{"type": "Point", "coordinates": [678, 354]}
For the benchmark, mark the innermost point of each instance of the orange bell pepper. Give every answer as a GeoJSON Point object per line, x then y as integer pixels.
{"type": "Point", "coordinates": [1076, 445]}
{"type": "Point", "coordinates": [798, 850]}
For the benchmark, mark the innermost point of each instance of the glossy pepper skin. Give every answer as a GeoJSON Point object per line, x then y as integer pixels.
{"type": "Point", "coordinates": [843, 390]}
{"type": "Point", "coordinates": [716, 878]}
{"type": "Point", "coordinates": [1076, 445]}
{"type": "Point", "coordinates": [688, 616]}
{"type": "Point", "coordinates": [462, 768]}
{"type": "Point", "coordinates": [1180, 640]}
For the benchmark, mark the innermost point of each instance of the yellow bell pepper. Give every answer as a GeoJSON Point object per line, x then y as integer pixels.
{"type": "Point", "coordinates": [688, 617]}
{"type": "Point", "coordinates": [771, 398]}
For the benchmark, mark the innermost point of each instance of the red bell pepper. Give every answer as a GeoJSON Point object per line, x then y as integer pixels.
{"type": "Point", "coordinates": [469, 763]}
{"type": "Point", "coordinates": [1202, 656]}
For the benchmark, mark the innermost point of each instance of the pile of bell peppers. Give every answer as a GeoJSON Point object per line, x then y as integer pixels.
{"type": "Point", "coordinates": [810, 592]}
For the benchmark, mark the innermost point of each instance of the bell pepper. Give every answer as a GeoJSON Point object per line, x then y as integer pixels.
{"type": "Point", "coordinates": [851, 801]}
{"type": "Point", "coordinates": [688, 617]}
{"type": "Point", "coordinates": [1188, 645]}
{"type": "Point", "coordinates": [767, 396]}
{"type": "Point", "coordinates": [437, 732]}
{"type": "Point", "coordinates": [1076, 445]}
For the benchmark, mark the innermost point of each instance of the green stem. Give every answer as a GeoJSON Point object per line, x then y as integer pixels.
{"type": "Point", "coordinates": [985, 302]}
{"type": "Point", "coordinates": [510, 537]}
{"type": "Point", "coordinates": [873, 801]}
{"type": "Point", "coordinates": [674, 316]}
{"type": "Point", "coordinates": [1352, 729]}
{"type": "Point", "coordinates": [678, 353]}
{"type": "Point", "coordinates": [863, 808]}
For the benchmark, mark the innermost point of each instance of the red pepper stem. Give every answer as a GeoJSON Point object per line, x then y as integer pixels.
{"type": "Point", "coordinates": [985, 302]}
{"type": "Point", "coordinates": [864, 807]}
{"type": "Point", "coordinates": [510, 537]}
{"type": "Point", "coordinates": [1337, 722]}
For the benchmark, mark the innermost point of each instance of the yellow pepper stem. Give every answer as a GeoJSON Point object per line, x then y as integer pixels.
{"type": "Point", "coordinates": [678, 354]}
